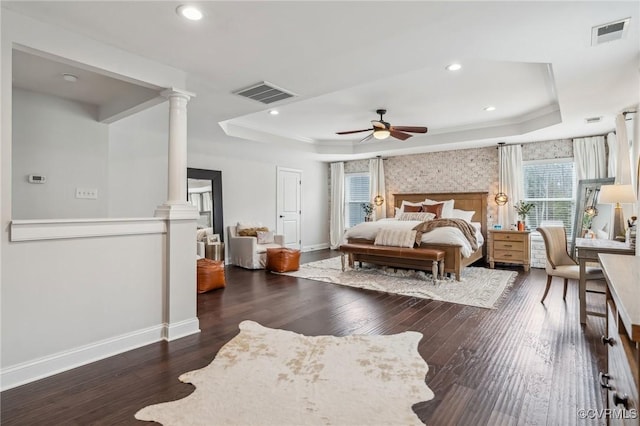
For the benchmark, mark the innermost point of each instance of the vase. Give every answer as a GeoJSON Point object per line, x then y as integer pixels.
{"type": "Point", "coordinates": [520, 225]}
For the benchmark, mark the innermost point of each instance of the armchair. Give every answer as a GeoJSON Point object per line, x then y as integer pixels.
{"type": "Point", "coordinates": [246, 252]}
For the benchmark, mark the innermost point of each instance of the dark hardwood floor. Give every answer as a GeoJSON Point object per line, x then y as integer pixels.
{"type": "Point", "coordinates": [523, 363]}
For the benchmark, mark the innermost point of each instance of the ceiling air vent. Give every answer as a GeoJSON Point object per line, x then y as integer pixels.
{"type": "Point", "coordinates": [609, 32]}
{"type": "Point", "coordinates": [592, 120]}
{"type": "Point", "coordinates": [264, 92]}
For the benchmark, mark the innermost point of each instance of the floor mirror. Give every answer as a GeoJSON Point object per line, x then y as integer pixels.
{"type": "Point", "coordinates": [204, 191]}
{"type": "Point", "coordinates": [590, 216]}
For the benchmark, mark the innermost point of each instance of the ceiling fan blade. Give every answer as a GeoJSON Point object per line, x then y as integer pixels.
{"type": "Point", "coordinates": [400, 135]}
{"type": "Point", "coordinates": [412, 129]}
{"type": "Point", "coordinates": [378, 124]}
{"type": "Point", "coordinates": [366, 138]}
{"type": "Point", "coordinates": [352, 131]}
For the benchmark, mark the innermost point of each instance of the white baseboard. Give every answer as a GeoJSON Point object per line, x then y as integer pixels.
{"type": "Point", "coordinates": [181, 329]}
{"type": "Point", "coordinates": [314, 247]}
{"type": "Point", "coordinates": [30, 371]}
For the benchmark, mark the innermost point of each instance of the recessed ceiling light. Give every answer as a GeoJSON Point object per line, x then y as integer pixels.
{"type": "Point", "coordinates": [70, 77]}
{"type": "Point", "coordinates": [454, 67]}
{"type": "Point", "coordinates": [190, 12]}
{"type": "Point", "coordinates": [274, 112]}
{"type": "Point", "coordinates": [489, 108]}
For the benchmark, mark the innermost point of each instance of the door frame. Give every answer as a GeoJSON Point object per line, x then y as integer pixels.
{"type": "Point", "coordinates": [278, 195]}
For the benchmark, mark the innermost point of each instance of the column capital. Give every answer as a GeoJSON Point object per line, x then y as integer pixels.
{"type": "Point", "coordinates": [173, 92]}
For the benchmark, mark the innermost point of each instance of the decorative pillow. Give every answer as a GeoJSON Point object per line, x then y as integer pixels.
{"type": "Point", "coordinates": [447, 209]}
{"type": "Point", "coordinates": [398, 213]}
{"type": "Point", "coordinates": [436, 209]}
{"type": "Point", "coordinates": [265, 237]}
{"type": "Point", "coordinates": [422, 217]}
{"type": "Point", "coordinates": [412, 209]}
{"type": "Point", "coordinates": [251, 232]}
{"type": "Point", "coordinates": [407, 203]}
{"type": "Point", "coordinates": [395, 238]}
{"type": "Point", "coordinates": [463, 214]}
{"type": "Point", "coordinates": [247, 225]}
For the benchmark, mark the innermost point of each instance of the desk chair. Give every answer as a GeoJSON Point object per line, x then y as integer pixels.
{"type": "Point", "coordinates": [559, 263]}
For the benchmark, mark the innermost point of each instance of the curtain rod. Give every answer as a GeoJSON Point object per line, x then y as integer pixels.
{"type": "Point", "coordinates": [507, 144]}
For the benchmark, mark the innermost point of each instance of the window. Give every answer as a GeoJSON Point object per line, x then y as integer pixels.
{"type": "Point", "coordinates": [356, 192]}
{"type": "Point", "coordinates": [550, 186]}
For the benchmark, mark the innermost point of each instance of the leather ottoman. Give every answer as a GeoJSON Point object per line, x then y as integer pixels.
{"type": "Point", "coordinates": [283, 259]}
{"type": "Point", "coordinates": [210, 275]}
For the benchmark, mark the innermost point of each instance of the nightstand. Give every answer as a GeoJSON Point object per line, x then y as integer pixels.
{"type": "Point", "coordinates": [510, 247]}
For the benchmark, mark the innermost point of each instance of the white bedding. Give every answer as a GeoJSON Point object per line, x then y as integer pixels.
{"type": "Point", "coordinates": [444, 235]}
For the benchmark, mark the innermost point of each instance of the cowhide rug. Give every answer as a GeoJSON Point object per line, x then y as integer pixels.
{"type": "Point", "coordinates": [267, 376]}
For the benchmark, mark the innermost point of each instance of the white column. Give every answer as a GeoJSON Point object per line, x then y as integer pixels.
{"type": "Point", "coordinates": [177, 146]}
{"type": "Point", "coordinates": [176, 206]}
{"type": "Point", "coordinates": [179, 310]}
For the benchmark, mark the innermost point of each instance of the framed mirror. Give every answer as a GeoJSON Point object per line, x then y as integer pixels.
{"type": "Point", "coordinates": [589, 214]}
{"type": "Point", "coordinates": [204, 191]}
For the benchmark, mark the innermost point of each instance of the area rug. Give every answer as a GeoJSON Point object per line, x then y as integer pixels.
{"type": "Point", "coordinates": [275, 377]}
{"type": "Point", "coordinates": [480, 287]}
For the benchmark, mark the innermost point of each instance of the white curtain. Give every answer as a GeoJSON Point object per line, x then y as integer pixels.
{"type": "Point", "coordinates": [512, 183]}
{"type": "Point", "coordinates": [612, 144]}
{"type": "Point", "coordinates": [336, 218]}
{"type": "Point", "coordinates": [590, 158]}
{"type": "Point", "coordinates": [377, 187]}
{"type": "Point", "coordinates": [623, 166]}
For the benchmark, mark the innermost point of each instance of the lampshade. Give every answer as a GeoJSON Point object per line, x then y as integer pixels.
{"type": "Point", "coordinates": [612, 194]}
{"type": "Point", "coordinates": [381, 133]}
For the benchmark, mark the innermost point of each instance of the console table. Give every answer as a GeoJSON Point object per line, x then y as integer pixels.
{"type": "Point", "coordinates": [622, 378]}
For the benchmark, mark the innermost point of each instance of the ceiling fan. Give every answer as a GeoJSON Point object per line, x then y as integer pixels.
{"type": "Point", "coordinates": [382, 129]}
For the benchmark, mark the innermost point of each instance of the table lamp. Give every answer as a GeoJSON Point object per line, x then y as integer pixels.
{"type": "Point", "coordinates": [616, 194]}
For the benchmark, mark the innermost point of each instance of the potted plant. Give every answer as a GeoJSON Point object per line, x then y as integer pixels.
{"type": "Point", "coordinates": [367, 208]}
{"type": "Point", "coordinates": [523, 209]}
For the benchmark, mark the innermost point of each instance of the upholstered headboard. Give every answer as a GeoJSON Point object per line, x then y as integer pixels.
{"type": "Point", "coordinates": [470, 201]}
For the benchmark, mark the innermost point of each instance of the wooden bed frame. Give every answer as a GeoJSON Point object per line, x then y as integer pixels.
{"type": "Point", "coordinates": [454, 262]}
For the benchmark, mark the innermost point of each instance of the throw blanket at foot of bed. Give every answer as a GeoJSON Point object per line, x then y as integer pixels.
{"type": "Point", "coordinates": [467, 229]}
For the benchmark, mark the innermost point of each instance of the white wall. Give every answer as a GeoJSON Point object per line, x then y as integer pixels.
{"type": "Point", "coordinates": [138, 147]}
{"type": "Point", "coordinates": [64, 294]}
{"type": "Point", "coordinates": [62, 140]}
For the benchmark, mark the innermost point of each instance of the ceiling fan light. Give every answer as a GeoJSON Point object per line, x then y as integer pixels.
{"type": "Point", "coordinates": [381, 133]}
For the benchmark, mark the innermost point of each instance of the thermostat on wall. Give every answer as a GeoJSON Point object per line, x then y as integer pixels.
{"type": "Point", "coordinates": [37, 179]}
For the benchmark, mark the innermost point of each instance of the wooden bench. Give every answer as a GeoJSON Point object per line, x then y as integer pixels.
{"type": "Point", "coordinates": [397, 257]}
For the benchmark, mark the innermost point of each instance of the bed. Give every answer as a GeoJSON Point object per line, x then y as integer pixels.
{"type": "Point", "coordinates": [456, 255]}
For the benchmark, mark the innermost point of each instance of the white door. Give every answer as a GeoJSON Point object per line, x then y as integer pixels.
{"type": "Point", "coordinates": [288, 205]}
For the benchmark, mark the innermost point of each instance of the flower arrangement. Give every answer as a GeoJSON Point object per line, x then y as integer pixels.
{"type": "Point", "coordinates": [523, 209]}
{"type": "Point", "coordinates": [367, 208]}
